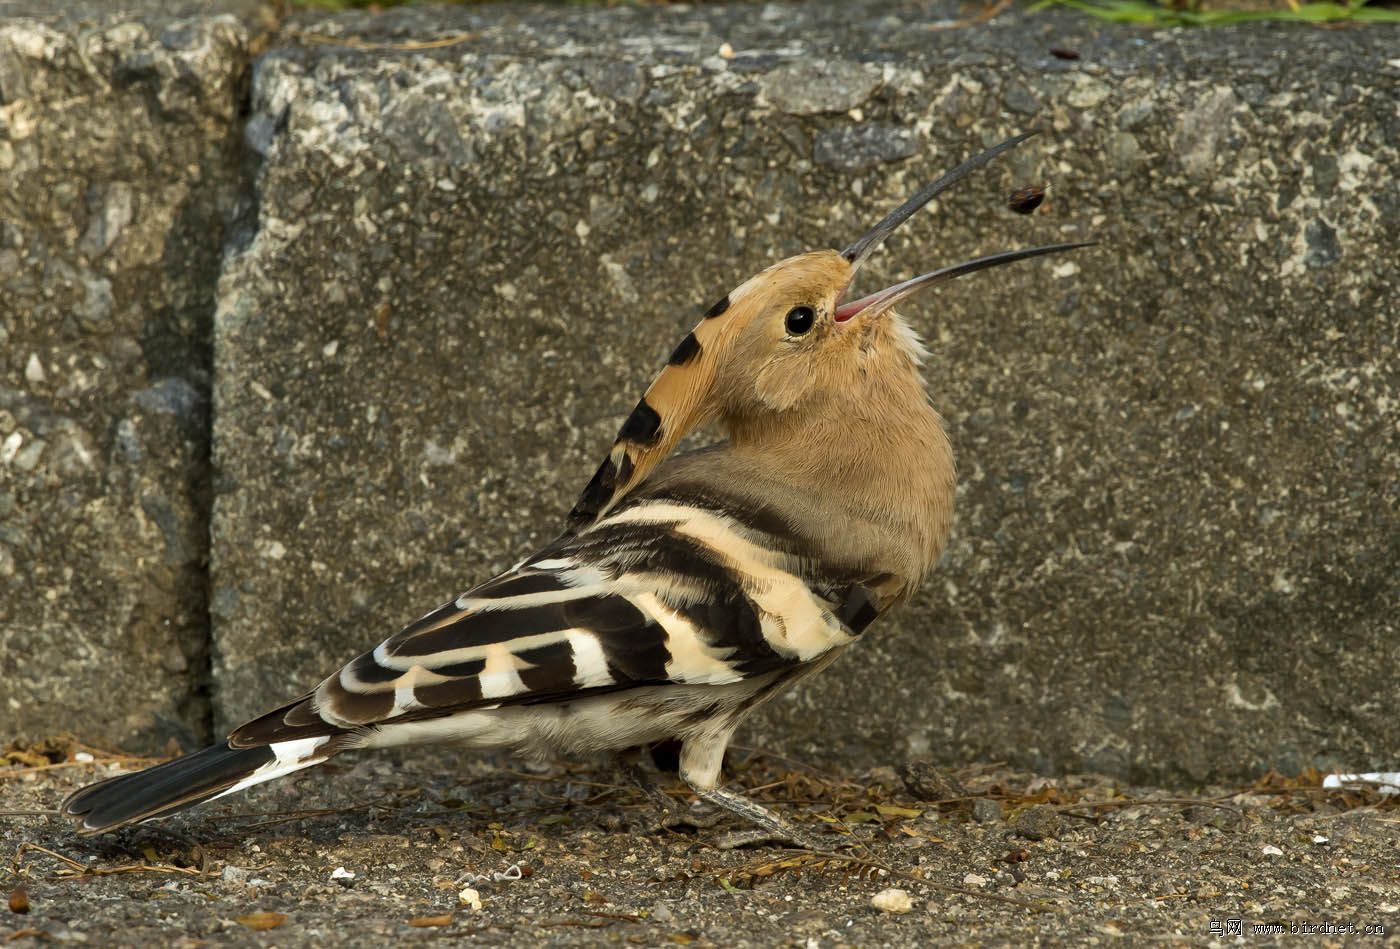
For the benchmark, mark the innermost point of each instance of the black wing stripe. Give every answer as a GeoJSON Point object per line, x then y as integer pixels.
{"type": "Point", "coordinates": [366, 671]}
{"type": "Point", "coordinates": [858, 609]}
{"type": "Point", "coordinates": [479, 629]}
{"type": "Point", "coordinates": [548, 669]}
{"type": "Point", "coordinates": [659, 552]}
{"type": "Point", "coordinates": [517, 584]}
{"type": "Point", "coordinates": [469, 668]}
{"type": "Point", "coordinates": [454, 693]}
{"type": "Point", "coordinates": [638, 659]}
{"type": "Point", "coordinates": [731, 623]}
{"type": "Point", "coordinates": [604, 615]}
{"type": "Point", "coordinates": [353, 707]}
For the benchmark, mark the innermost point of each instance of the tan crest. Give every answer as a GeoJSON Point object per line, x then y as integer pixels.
{"type": "Point", "coordinates": [676, 402]}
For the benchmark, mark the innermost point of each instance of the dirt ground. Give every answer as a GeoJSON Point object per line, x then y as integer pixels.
{"type": "Point", "coordinates": [381, 849]}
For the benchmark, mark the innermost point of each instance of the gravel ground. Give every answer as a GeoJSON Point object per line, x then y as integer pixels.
{"type": "Point", "coordinates": [381, 848]}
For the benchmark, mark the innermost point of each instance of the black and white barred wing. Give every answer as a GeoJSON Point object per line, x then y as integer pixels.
{"type": "Point", "coordinates": [652, 595]}
{"type": "Point", "coordinates": [656, 594]}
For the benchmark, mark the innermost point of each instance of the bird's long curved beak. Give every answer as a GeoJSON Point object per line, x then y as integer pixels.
{"type": "Point", "coordinates": [859, 252]}
{"type": "Point", "coordinates": [877, 302]}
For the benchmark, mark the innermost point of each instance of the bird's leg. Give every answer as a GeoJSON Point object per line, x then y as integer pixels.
{"type": "Point", "coordinates": [701, 759]}
{"type": "Point", "coordinates": [672, 816]}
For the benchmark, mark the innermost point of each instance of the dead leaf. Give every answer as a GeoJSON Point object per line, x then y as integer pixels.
{"type": "Point", "coordinates": [890, 810]}
{"type": "Point", "coordinates": [423, 922]}
{"type": "Point", "coordinates": [40, 754]}
{"type": "Point", "coordinates": [262, 921]}
{"type": "Point", "coordinates": [30, 933]}
{"type": "Point", "coordinates": [25, 758]}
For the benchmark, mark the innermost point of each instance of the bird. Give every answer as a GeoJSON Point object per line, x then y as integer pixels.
{"type": "Point", "coordinates": [686, 588]}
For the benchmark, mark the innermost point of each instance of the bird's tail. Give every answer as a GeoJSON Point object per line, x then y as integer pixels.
{"type": "Point", "coordinates": [193, 779]}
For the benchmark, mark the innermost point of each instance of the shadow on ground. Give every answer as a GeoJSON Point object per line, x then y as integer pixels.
{"type": "Point", "coordinates": [381, 848]}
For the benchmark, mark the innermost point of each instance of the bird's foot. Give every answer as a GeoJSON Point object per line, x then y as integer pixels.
{"type": "Point", "coordinates": [674, 818]}
{"type": "Point", "coordinates": [769, 827]}
{"type": "Point", "coordinates": [673, 815]}
{"type": "Point", "coordinates": [787, 836]}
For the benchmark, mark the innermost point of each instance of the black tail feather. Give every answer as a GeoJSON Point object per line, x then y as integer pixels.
{"type": "Point", "coordinates": [164, 789]}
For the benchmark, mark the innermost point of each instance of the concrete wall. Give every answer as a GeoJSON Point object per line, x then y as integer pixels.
{"type": "Point", "coordinates": [1176, 552]}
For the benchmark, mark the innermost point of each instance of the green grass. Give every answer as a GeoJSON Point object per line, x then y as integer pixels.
{"type": "Point", "coordinates": [385, 4]}
{"type": "Point", "coordinates": [1151, 13]}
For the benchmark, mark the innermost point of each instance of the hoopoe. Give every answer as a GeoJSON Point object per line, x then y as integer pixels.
{"type": "Point", "coordinates": [688, 588]}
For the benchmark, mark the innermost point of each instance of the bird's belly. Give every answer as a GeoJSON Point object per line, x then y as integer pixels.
{"type": "Point", "coordinates": [606, 722]}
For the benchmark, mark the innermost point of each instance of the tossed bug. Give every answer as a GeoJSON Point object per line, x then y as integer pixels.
{"type": "Point", "coordinates": [1025, 200]}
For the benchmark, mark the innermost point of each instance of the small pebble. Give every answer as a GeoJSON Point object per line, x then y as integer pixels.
{"type": "Point", "coordinates": [232, 874]}
{"type": "Point", "coordinates": [986, 811]}
{"type": "Point", "coordinates": [1038, 822]}
{"type": "Point", "coordinates": [1211, 816]}
{"type": "Point", "coordinates": [974, 879]}
{"type": "Point", "coordinates": [19, 900]}
{"type": "Point", "coordinates": [1271, 851]}
{"type": "Point", "coordinates": [892, 901]}
{"type": "Point", "coordinates": [471, 899]}
{"type": "Point", "coordinates": [927, 783]}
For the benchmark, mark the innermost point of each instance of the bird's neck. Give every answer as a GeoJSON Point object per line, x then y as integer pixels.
{"type": "Point", "coordinates": [874, 459]}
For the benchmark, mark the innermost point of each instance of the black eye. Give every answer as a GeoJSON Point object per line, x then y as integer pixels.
{"type": "Point", "coordinates": [799, 320]}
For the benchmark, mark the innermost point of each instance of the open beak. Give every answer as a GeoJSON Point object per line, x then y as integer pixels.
{"type": "Point", "coordinates": [859, 252]}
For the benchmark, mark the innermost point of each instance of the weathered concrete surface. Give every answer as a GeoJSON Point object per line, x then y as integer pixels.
{"type": "Point", "coordinates": [119, 163]}
{"type": "Point", "coordinates": [377, 851]}
{"type": "Point", "coordinates": [1176, 552]}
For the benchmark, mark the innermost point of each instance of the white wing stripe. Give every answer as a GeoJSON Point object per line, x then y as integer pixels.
{"type": "Point", "coordinates": [691, 660]}
{"type": "Point", "coordinates": [807, 628]}
{"type": "Point", "coordinates": [590, 661]}
{"type": "Point", "coordinates": [451, 657]}
{"type": "Point", "coordinates": [501, 677]}
{"type": "Point", "coordinates": [522, 601]}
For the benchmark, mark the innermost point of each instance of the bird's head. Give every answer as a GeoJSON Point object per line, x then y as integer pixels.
{"type": "Point", "coordinates": [785, 341]}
